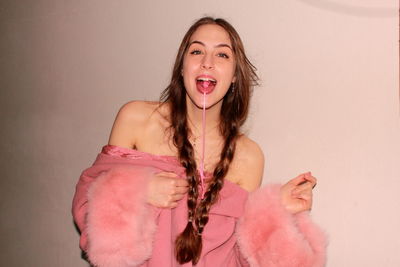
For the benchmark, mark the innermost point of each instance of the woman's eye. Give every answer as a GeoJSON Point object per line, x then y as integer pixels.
{"type": "Point", "coordinates": [224, 55]}
{"type": "Point", "coordinates": [195, 52]}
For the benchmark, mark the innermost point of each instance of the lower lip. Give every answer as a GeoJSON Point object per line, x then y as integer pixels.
{"type": "Point", "coordinates": [207, 90]}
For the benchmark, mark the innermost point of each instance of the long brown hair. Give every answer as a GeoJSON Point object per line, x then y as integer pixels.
{"type": "Point", "coordinates": [235, 106]}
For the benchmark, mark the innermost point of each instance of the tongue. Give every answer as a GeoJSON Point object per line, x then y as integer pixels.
{"type": "Point", "coordinates": [205, 84]}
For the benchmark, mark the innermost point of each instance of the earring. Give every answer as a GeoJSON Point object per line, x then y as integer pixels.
{"type": "Point", "coordinates": [233, 88]}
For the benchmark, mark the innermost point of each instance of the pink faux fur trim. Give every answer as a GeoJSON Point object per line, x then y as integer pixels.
{"type": "Point", "coordinates": [269, 236]}
{"type": "Point", "coordinates": [120, 224]}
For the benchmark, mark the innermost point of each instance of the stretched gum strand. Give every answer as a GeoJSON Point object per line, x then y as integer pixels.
{"type": "Point", "coordinates": [203, 148]}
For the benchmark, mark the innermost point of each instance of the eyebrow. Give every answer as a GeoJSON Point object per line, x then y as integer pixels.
{"type": "Point", "coordinates": [218, 45]}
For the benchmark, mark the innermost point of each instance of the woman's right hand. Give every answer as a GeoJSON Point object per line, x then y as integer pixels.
{"type": "Point", "coordinates": [165, 190]}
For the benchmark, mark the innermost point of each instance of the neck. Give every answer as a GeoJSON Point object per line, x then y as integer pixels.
{"type": "Point", "coordinates": [195, 117]}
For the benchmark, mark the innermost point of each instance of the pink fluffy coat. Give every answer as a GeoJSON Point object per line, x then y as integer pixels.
{"type": "Point", "coordinates": [269, 236]}
{"type": "Point", "coordinates": [118, 226]}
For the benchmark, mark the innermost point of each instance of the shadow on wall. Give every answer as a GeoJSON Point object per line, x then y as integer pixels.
{"type": "Point", "coordinates": [353, 10]}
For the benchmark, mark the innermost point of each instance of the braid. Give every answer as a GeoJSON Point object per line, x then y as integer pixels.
{"type": "Point", "coordinates": [188, 244]}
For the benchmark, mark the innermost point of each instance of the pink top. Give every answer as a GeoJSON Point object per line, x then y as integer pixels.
{"type": "Point", "coordinates": [219, 241]}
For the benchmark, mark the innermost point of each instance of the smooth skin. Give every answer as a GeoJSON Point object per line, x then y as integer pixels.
{"type": "Point", "coordinates": [144, 126]}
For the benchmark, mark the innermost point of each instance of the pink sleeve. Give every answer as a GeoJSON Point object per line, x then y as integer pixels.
{"type": "Point", "coordinates": [110, 209]}
{"type": "Point", "coordinates": [79, 203]}
{"type": "Point", "coordinates": [241, 260]}
{"type": "Point", "coordinates": [120, 223]}
{"type": "Point", "coordinates": [270, 236]}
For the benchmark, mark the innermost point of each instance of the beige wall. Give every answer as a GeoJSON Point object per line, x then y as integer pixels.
{"type": "Point", "coordinates": [329, 103]}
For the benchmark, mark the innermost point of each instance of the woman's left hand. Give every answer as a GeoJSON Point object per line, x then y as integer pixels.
{"type": "Point", "coordinates": [296, 195]}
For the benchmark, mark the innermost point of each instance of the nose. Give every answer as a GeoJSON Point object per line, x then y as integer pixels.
{"type": "Point", "coordinates": [207, 62]}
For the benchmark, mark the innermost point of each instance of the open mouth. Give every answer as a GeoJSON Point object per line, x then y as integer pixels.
{"type": "Point", "coordinates": [205, 84]}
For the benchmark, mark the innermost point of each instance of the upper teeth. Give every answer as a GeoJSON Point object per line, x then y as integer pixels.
{"type": "Point", "coordinates": [206, 79]}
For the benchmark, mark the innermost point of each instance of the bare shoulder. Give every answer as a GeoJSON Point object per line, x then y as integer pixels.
{"type": "Point", "coordinates": [248, 164]}
{"type": "Point", "coordinates": [131, 121]}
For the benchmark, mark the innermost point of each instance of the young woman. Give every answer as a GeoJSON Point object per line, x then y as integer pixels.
{"type": "Point", "coordinates": [177, 185]}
